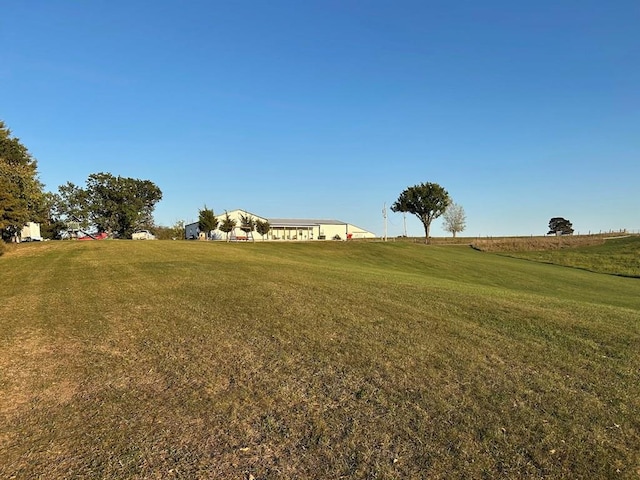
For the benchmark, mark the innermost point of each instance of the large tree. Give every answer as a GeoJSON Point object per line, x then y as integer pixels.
{"type": "Point", "coordinates": [427, 201]}
{"type": "Point", "coordinates": [52, 226]}
{"type": "Point", "coordinates": [560, 226]}
{"type": "Point", "coordinates": [207, 221]}
{"type": "Point", "coordinates": [13, 212]}
{"type": "Point", "coordinates": [21, 193]}
{"type": "Point", "coordinates": [72, 204]}
{"type": "Point", "coordinates": [121, 204]}
{"type": "Point", "coordinates": [455, 220]}
{"type": "Point", "coordinates": [117, 205]}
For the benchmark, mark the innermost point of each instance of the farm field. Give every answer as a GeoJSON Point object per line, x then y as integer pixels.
{"type": "Point", "coordinates": [180, 359]}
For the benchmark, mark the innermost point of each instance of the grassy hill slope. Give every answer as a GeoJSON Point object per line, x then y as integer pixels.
{"type": "Point", "coordinates": [324, 360]}
{"type": "Point", "coordinates": [616, 256]}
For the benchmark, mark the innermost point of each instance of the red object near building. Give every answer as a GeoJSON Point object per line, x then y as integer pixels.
{"type": "Point", "coordinates": [98, 236]}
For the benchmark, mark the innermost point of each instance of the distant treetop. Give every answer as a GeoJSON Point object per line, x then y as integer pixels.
{"type": "Point", "coordinates": [560, 226]}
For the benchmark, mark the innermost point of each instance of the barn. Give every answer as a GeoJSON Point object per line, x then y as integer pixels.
{"type": "Point", "coordinates": [283, 229]}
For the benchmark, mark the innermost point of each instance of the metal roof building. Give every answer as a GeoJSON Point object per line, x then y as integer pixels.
{"type": "Point", "coordinates": [285, 229]}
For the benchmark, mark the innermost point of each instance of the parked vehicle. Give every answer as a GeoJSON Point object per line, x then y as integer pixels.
{"type": "Point", "coordinates": [143, 235]}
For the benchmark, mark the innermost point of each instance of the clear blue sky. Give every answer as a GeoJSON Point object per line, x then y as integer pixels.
{"type": "Point", "coordinates": [328, 109]}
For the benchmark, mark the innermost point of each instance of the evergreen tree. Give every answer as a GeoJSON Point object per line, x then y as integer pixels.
{"type": "Point", "coordinates": [227, 225]}
{"type": "Point", "coordinates": [247, 224]}
{"type": "Point", "coordinates": [207, 221]}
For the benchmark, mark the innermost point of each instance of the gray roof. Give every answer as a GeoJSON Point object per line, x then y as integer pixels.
{"type": "Point", "coordinates": [301, 222]}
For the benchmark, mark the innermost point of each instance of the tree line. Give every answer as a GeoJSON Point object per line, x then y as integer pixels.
{"type": "Point", "coordinates": [107, 203]}
{"type": "Point", "coordinates": [116, 205]}
{"type": "Point", "coordinates": [428, 201]}
{"type": "Point", "coordinates": [120, 205]}
{"type": "Point", "coordinates": [208, 222]}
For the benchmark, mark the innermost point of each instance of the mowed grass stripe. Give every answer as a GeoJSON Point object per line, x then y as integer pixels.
{"type": "Point", "coordinates": [190, 359]}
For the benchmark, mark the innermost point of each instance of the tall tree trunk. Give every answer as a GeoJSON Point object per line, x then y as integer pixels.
{"type": "Point", "coordinates": [426, 232]}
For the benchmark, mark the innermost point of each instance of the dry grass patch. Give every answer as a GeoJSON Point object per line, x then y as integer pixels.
{"type": "Point", "coordinates": [33, 373]}
{"type": "Point", "coordinates": [521, 244]}
{"type": "Point", "coordinates": [27, 249]}
{"type": "Point", "coordinates": [615, 256]}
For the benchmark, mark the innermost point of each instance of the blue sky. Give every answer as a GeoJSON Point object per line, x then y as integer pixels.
{"type": "Point", "coordinates": [523, 111]}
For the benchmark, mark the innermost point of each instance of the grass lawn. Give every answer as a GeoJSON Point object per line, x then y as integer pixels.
{"type": "Point", "coordinates": [164, 359]}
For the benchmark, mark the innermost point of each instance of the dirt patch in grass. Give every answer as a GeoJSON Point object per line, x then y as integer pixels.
{"type": "Point", "coordinates": [30, 374]}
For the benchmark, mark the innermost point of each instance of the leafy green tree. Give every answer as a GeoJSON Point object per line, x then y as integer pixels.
{"type": "Point", "coordinates": [71, 204]}
{"type": "Point", "coordinates": [121, 204]}
{"type": "Point", "coordinates": [21, 194]}
{"type": "Point", "coordinates": [560, 226]}
{"type": "Point", "coordinates": [13, 212]}
{"type": "Point", "coordinates": [455, 220]}
{"type": "Point", "coordinates": [247, 224]}
{"type": "Point", "coordinates": [111, 204]}
{"type": "Point", "coordinates": [207, 221]}
{"type": "Point", "coordinates": [227, 225]}
{"type": "Point", "coordinates": [263, 227]}
{"type": "Point", "coordinates": [52, 226]}
{"type": "Point", "coordinates": [427, 201]}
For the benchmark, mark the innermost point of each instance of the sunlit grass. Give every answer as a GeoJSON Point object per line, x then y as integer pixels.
{"type": "Point", "coordinates": [326, 360]}
{"type": "Point", "coordinates": [615, 256]}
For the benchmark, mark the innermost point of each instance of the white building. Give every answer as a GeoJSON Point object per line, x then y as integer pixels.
{"type": "Point", "coordinates": [284, 229]}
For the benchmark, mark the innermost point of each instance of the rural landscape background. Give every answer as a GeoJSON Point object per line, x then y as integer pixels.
{"type": "Point", "coordinates": [176, 359]}
{"type": "Point", "coordinates": [492, 352]}
{"type": "Point", "coordinates": [329, 108]}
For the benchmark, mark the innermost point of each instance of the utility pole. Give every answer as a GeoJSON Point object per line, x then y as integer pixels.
{"type": "Point", "coordinates": [384, 215]}
{"type": "Point", "coordinates": [404, 221]}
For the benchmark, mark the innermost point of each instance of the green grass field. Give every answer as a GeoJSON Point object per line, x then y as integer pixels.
{"type": "Point", "coordinates": [324, 360]}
